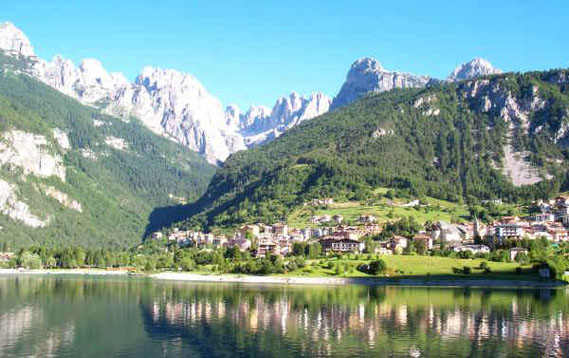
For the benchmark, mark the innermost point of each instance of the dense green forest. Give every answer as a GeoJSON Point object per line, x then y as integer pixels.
{"type": "Point", "coordinates": [440, 141]}
{"type": "Point", "coordinates": [118, 189]}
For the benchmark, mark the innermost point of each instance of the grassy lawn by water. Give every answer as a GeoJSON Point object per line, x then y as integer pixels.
{"type": "Point", "coordinates": [412, 266]}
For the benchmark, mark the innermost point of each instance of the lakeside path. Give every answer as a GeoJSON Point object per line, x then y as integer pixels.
{"type": "Point", "coordinates": [318, 281]}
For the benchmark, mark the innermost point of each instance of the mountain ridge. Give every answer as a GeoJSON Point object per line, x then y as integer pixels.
{"type": "Point", "coordinates": [500, 136]}
{"type": "Point", "coordinates": [193, 116]}
{"type": "Point", "coordinates": [71, 175]}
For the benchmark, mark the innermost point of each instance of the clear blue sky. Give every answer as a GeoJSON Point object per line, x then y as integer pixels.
{"type": "Point", "coordinates": [251, 52]}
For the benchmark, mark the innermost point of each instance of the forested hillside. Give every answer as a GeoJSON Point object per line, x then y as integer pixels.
{"type": "Point", "coordinates": [500, 137]}
{"type": "Point", "coordinates": [70, 174]}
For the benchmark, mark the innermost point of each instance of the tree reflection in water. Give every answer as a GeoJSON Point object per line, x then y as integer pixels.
{"type": "Point", "coordinates": [91, 317]}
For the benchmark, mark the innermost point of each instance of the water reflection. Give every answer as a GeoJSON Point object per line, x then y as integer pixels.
{"type": "Point", "coordinates": [367, 320]}
{"type": "Point", "coordinates": [69, 317]}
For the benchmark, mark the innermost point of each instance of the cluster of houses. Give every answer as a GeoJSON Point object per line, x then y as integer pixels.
{"type": "Point", "coordinates": [278, 238]}
{"type": "Point", "coordinates": [550, 223]}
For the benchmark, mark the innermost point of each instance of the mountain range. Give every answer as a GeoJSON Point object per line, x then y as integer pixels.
{"type": "Point", "coordinates": [88, 157]}
{"type": "Point", "coordinates": [178, 106]}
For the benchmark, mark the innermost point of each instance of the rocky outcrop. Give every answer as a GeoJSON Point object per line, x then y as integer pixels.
{"type": "Point", "coordinates": [367, 75]}
{"type": "Point", "coordinates": [31, 154]}
{"type": "Point", "coordinates": [260, 124]}
{"type": "Point", "coordinates": [474, 68]}
{"type": "Point", "coordinates": [117, 143]}
{"type": "Point", "coordinates": [489, 96]}
{"type": "Point", "coordinates": [62, 139]}
{"type": "Point", "coordinates": [89, 82]}
{"type": "Point", "coordinates": [177, 105]}
{"type": "Point", "coordinates": [14, 42]}
{"type": "Point", "coordinates": [16, 209]}
{"type": "Point", "coordinates": [62, 198]}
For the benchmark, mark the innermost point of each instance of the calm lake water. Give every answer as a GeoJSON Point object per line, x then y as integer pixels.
{"type": "Point", "coordinates": [109, 317]}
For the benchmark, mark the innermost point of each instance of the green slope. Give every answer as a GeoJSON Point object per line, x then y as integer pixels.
{"type": "Point", "coordinates": [454, 154]}
{"type": "Point", "coordinates": [119, 190]}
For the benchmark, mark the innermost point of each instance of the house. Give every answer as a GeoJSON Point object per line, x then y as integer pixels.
{"type": "Point", "coordinates": [542, 217]}
{"type": "Point", "coordinates": [243, 244]}
{"type": "Point", "coordinates": [338, 219]}
{"type": "Point", "coordinates": [279, 229]}
{"type": "Point", "coordinates": [561, 211]}
{"type": "Point", "coordinates": [508, 231]}
{"type": "Point", "coordinates": [475, 249]}
{"type": "Point", "coordinates": [509, 219]}
{"type": "Point", "coordinates": [253, 229]}
{"type": "Point", "coordinates": [6, 256]}
{"type": "Point", "coordinates": [383, 250]}
{"type": "Point", "coordinates": [266, 247]}
{"type": "Point", "coordinates": [346, 234]}
{"type": "Point", "coordinates": [367, 218]}
{"type": "Point", "coordinates": [181, 237]}
{"type": "Point", "coordinates": [319, 219]}
{"type": "Point", "coordinates": [372, 229]}
{"type": "Point", "coordinates": [514, 252]}
{"type": "Point", "coordinates": [426, 239]}
{"type": "Point", "coordinates": [341, 245]}
{"type": "Point", "coordinates": [306, 234]}
{"type": "Point", "coordinates": [219, 241]}
{"type": "Point", "coordinates": [399, 243]}
{"type": "Point", "coordinates": [558, 234]}
{"type": "Point", "coordinates": [324, 201]}
{"type": "Point", "coordinates": [156, 235]}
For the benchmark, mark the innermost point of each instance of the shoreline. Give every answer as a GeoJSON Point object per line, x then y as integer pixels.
{"type": "Point", "coordinates": [83, 272]}
{"type": "Point", "coordinates": [317, 281]}
{"type": "Point", "coordinates": [370, 281]}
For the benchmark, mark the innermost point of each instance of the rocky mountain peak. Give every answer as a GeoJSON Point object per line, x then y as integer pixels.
{"type": "Point", "coordinates": [477, 67]}
{"type": "Point", "coordinates": [14, 42]}
{"type": "Point", "coordinates": [367, 75]}
{"type": "Point", "coordinates": [366, 64]}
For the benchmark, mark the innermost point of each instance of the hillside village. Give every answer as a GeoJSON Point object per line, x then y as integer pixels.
{"type": "Point", "coordinates": [472, 238]}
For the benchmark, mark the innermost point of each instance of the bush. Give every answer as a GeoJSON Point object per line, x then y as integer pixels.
{"type": "Point", "coordinates": [187, 264]}
{"type": "Point", "coordinates": [483, 265]}
{"type": "Point", "coordinates": [377, 267]}
{"type": "Point", "coordinates": [487, 271]}
{"type": "Point", "coordinates": [374, 268]}
{"type": "Point", "coordinates": [30, 261]}
{"type": "Point", "coordinates": [466, 270]}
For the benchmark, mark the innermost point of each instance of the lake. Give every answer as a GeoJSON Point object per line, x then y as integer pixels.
{"type": "Point", "coordinates": [49, 316]}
